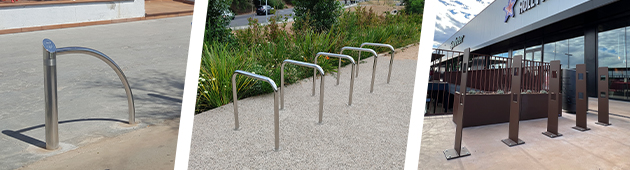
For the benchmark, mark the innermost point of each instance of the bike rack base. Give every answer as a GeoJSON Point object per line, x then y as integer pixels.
{"type": "Point", "coordinates": [551, 135]}
{"type": "Point", "coordinates": [452, 153]}
{"type": "Point", "coordinates": [510, 142]}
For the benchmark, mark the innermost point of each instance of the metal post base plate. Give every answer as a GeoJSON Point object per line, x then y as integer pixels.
{"type": "Point", "coordinates": [452, 154]}
{"type": "Point", "coordinates": [581, 128]}
{"type": "Point", "coordinates": [510, 142]}
{"type": "Point", "coordinates": [603, 124]}
{"type": "Point", "coordinates": [551, 135]}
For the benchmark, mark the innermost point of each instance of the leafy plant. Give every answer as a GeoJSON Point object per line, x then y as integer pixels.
{"type": "Point", "coordinates": [217, 26]}
{"type": "Point", "coordinates": [218, 63]}
{"type": "Point", "coordinates": [543, 92]}
{"type": "Point", "coordinates": [316, 15]}
{"type": "Point", "coordinates": [414, 6]}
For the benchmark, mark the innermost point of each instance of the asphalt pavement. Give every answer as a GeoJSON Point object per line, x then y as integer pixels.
{"type": "Point", "coordinates": [91, 99]}
{"type": "Point", "coordinates": [241, 20]}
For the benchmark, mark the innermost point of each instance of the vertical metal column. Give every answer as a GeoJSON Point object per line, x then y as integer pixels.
{"type": "Point", "coordinates": [581, 98]}
{"type": "Point", "coordinates": [515, 103]}
{"type": "Point", "coordinates": [458, 150]}
{"type": "Point", "coordinates": [602, 99]}
{"type": "Point", "coordinates": [554, 98]}
{"type": "Point", "coordinates": [50, 91]}
{"type": "Point", "coordinates": [50, 86]}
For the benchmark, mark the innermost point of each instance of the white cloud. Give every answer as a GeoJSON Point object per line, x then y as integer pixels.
{"type": "Point", "coordinates": [454, 14]}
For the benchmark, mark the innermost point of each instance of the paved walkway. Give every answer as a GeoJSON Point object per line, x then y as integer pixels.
{"type": "Point", "coordinates": [92, 102]}
{"type": "Point", "coordinates": [370, 134]}
{"type": "Point", "coordinates": [166, 7]}
{"type": "Point", "coordinates": [600, 148]}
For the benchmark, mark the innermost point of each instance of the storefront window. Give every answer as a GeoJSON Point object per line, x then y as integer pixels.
{"type": "Point", "coordinates": [550, 52]}
{"type": "Point", "coordinates": [611, 53]}
{"type": "Point", "coordinates": [533, 53]}
{"type": "Point", "coordinates": [576, 51]}
{"type": "Point", "coordinates": [558, 51]}
{"type": "Point", "coordinates": [518, 52]}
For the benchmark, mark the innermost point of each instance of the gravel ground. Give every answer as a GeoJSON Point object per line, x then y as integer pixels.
{"type": "Point", "coordinates": [372, 133]}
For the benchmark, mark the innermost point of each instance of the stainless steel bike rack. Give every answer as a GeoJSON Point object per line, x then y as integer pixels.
{"type": "Point", "coordinates": [340, 56]}
{"type": "Point", "coordinates": [357, 68]}
{"type": "Point", "coordinates": [391, 61]}
{"type": "Point", "coordinates": [321, 86]}
{"type": "Point", "coordinates": [276, 115]}
{"type": "Point", "coordinates": [50, 86]}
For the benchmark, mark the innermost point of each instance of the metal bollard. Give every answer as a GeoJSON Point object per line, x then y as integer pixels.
{"type": "Point", "coordinates": [340, 56]}
{"type": "Point", "coordinates": [391, 60]}
{"type": "Point", "coordinates": [357, 68]}
{"type": "Point", "coordinates": [50, 86]}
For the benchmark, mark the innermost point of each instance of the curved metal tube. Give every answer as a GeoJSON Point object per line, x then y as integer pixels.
{"type": "Point", "coordinates": [391, 60]}
{"type": "Point", "coordinates": [357, 69]}
{"type": "Point", "coordinates": [276, 113]}
{"type": "Point", "coordinates": [50, 86]}
{"type": "Point", "coordinates": [114, 66]}
{"type": "Point", "coordinates": [321, 86]}
{"type": "Point", "coordinates": [340, 56]}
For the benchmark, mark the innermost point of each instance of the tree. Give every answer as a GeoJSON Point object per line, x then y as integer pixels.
{"type": "Point", "coordinates": [217, 26]}
{"type": "Point", "coordinates": [414, 6]}
{"type": "Point", "coordinates": [317, 15]}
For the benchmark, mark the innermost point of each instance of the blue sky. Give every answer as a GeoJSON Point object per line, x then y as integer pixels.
{"type": "Point", "coordinates": [454, 14]}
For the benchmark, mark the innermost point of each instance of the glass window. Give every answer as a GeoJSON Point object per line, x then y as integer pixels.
{"type": "Point", "coordinates": [550, 52]}
{"type": "Point", "coordinates": [576, 51]}
{"type": "Point", "coordinates": [534, 53]}
{"type": "Point", "coordinates": [518, 52]}
{"type": "Point", "coordinates": [558, 51]}
{"type": "Point", "coordinates": [611, 53]}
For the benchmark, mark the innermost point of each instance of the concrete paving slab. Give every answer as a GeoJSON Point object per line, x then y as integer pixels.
{"type": "Point", "coordinates": [602, 147]}
{"type": "Point", "coordinates": [372, 133]}
{"type": "Point", "coordinates": [92, 102]}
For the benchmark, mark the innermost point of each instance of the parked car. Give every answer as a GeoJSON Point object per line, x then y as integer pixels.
{"type": "Point", "coordinates": [261, 10]}
{"type": "Point", "coordinates": [228, 14]}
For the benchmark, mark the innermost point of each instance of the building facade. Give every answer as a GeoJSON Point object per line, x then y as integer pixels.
{"type": "Point", "coordinates": [591, 32]}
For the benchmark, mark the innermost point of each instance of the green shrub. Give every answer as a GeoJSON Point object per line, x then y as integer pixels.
{"type": "Point", "coordinates": [218, 63]}
{"type": "Point", "coordinates": [242, 6]}
{"type": "Point", "coordinates": [217, 27]}
{"type": "Point", "coordinates": [414, 6]}
{"type": "Point", "coordinates": [316, 15]}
